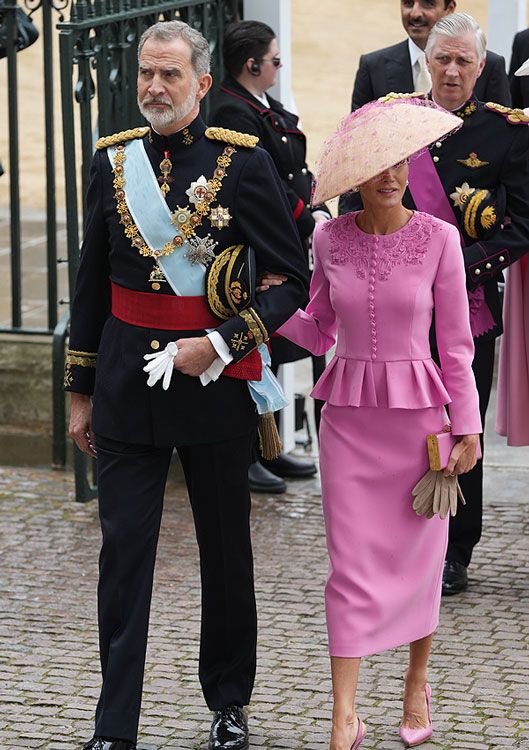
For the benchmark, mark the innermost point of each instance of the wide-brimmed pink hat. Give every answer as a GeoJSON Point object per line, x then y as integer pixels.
{"type": "Point", "coordinates": [374, 138]}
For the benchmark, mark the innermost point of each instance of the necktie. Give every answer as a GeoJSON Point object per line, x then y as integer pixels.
{"type": "Point", "coordinates": [424, 81]}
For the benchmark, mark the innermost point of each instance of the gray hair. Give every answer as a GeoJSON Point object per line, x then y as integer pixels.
{"type": "Point", "coordinates": [455, 24]}
{"type": "Point", "coordinates": [168, 31]}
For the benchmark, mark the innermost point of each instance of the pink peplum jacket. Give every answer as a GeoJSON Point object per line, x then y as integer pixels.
{"type": "Point", "coordinates": [374, 296]}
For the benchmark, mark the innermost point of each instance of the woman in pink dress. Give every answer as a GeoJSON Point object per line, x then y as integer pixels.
{"type": "Point", "coordinates": [378, 275]}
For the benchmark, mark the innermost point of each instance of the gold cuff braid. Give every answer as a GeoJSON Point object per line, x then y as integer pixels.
{"type": "Point", "coordinates": [255, 325]}
{"type": "Point", "coordinates": [83, 359]}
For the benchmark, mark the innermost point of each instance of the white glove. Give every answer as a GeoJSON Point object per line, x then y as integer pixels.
{"type": "Point", "coordinates": [161, 365]}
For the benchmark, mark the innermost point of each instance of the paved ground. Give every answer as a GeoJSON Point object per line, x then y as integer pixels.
{"type": "Point", "coordinates": [48, 545]}
{"type": "Point", "coordinates": [48, 652]}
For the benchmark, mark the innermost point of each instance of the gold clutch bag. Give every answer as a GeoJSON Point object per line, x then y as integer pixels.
{"type": "Point", "coordinates": [440, 446]}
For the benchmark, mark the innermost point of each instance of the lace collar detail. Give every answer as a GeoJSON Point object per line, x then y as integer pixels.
{"type": "Point", "coordinates": [408, 246]}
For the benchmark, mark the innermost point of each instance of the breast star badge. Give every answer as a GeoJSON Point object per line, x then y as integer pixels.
{"type": "Point", "coordinates": [473, 161]}
{"type": "Point", "coordinates": [220, 217]}
{"type": "Point", "coordinates": [197, 190]}
{"type": "Point", "coordinates": [461, 195]}
{"type": "Point", "coordinates": [201, 250]}
{"type": "Point", "coordinates": [180, 216]}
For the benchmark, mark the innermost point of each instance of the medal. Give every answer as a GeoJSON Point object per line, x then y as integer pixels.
{"type": "Point", "coordinates": [219, 217]}
{"type": "Point", "coordinates": [164, 179]}
{"type": "Point", "coordinates": [201, 250]}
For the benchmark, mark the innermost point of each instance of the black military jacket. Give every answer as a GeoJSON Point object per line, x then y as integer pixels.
{"type": "Point", "coordinates": [278, 133]}
{"type": "Point", "coordinates": [490, 150]}
{"type": "Point", "coordinates": [519, 84]}
{"type": "Point", "coordinates": [105, 355]}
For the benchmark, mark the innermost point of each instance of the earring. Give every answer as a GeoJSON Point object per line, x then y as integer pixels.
{"type": "Point", "coordinates": [407, 183]}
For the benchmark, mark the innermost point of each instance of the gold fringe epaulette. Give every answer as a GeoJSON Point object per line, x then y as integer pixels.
{"type": "Point", "coordinates": [124, 135]}
{"type": "Point", "coordinates": [393, 95]}
{"type": "Point", "coordinates": [233, 137]}
{"type": "Point", "coordinates": [513, 116]}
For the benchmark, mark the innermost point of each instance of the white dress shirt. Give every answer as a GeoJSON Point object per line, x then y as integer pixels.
{"type": "Point", "coordinates": [418, 65]}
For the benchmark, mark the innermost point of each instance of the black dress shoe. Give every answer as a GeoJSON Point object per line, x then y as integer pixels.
{"type": "Point", "coordinates": [229, 730]}
{"type": "Point", "coordinates": [455, 578]}
{"type": "Point", "coordinates": [262, 480]}
{"type": "Point", "coordinates": [290, 467]}
{"type": "Point", "coordinates": [98, 743]}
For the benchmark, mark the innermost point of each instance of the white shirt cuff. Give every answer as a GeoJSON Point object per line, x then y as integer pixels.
{"type": "Point", "coordinates": [321, 213]}
{"type": "Point", "coordinates": [215, 369]}
{"type": "Point", "coordinates": [220, 346]}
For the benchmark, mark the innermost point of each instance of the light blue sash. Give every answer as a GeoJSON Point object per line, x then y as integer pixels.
{"type": "Point", "coordinates": [142, 191]}
{"type": "Point", "coordinates": [186, 279]}
{"type": "Point", "coordinates": [267, 393]}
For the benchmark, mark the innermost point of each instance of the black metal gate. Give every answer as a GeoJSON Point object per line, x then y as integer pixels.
{"type": "Point", "coordinates": [98, 42]}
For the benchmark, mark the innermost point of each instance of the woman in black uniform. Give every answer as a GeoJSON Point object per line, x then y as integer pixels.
{"type": "Point", "coordinates": [252, 61]}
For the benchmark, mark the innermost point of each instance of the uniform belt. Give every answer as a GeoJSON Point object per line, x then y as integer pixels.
{"type": "Point", "coordinates": [167, 312]}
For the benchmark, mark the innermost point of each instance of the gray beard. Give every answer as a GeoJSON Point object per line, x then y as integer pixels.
{"type": "Point", "coordinates": [171, 115]}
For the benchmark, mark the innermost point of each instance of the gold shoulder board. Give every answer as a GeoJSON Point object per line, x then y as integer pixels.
{"type": "Point", "coordinates": [513, 116]}
{"type": "Point", "coordinates": [124, 135]}
{"type": "Point", "coordinates": [392, 95]}
{"type": "Point", "coordinates": [233, 137]}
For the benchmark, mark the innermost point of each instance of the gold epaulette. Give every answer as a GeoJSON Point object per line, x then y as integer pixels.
{"type": "Point", "coordinates": [233, 137]}
{"type": "Point", "coordinates": [124, 135]}
{"type": "Point", "coordinates": [513, 116]}
{"type": "Point", "coordinates": [392, 95]}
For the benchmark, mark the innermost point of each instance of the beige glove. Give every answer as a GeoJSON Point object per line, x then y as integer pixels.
{"type": "Point", "coordinates": [435, 493]}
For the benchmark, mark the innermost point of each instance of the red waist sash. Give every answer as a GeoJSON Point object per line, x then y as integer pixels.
{"type": "Point", "coordinates": [167, 312]}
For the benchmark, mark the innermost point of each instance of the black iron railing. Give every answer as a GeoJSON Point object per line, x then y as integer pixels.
{"type": "Point", "coordinates": [42, 12]}
{"type": "Point", "coordinates": [98, 42]}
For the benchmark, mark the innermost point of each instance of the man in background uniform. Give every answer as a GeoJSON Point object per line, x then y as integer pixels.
{"type": "Point", "coordinates": [402, 67]}
{"type": "Point", "coordinates": [165, 204]}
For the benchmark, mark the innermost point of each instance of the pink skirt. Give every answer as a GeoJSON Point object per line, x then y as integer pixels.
{"type": "Point", "coordinates": [385, 562]}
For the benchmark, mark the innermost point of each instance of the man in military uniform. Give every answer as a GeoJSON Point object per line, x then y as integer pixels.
{"type": "Point", "coordinates": [477, 179]}
{"type": "Point", "coordinates": [163, 203]}
{"type": "Point", "coordinates": [252, 61]}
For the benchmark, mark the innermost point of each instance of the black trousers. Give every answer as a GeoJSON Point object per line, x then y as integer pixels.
{"type": "Point", "coordinates": [465, 527]}
{"type": "Point", "coordinates": [131, 483]}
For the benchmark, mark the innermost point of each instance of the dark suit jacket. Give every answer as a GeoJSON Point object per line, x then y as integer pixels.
{"type": "Point", "coordinates": [389, 69]}
{"type": "Point", "coordinates": [519, 86]}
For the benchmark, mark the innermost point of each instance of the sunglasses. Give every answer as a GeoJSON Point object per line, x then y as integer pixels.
{"type": "Point", "coordinates": [276, 61]}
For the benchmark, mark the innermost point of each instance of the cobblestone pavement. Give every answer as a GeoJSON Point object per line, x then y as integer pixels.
{"type": "Point", "coordinates": [48, 652]}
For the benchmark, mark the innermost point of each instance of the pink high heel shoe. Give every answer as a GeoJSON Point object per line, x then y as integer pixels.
{"type": "Point", "coordinates": [413, 737]}
{"type": "Point", "coordinates": [360, 735]}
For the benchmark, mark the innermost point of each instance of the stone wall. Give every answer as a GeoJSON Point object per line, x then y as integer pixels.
{"type": "Point", "coordinates": [26, 409]}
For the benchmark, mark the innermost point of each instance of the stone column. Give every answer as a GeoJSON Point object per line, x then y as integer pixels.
{"type": "Point", "coordinates": [277, 14]}
{"type": "Point", "coordinates": [506, 17]}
